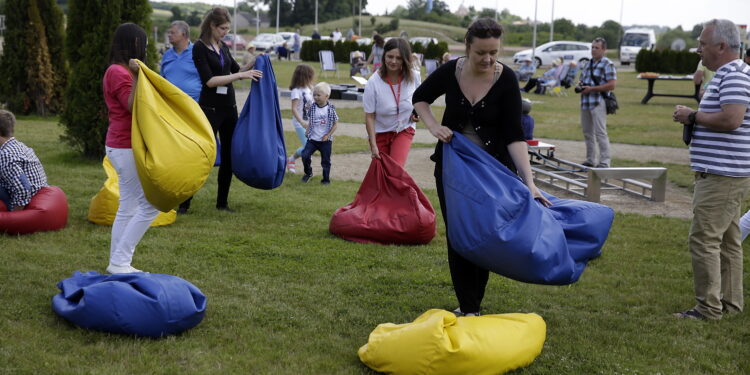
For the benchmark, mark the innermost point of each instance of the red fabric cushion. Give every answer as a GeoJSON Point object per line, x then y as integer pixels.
{"type": "Point", "coordinates": [48, 210]}
{"type": "Point", "coordinates": [389, 209]}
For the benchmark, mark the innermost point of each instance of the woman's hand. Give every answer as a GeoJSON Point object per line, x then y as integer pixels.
{"type": "Point", "coordinates": [414, 118]}
{"type": "Point", "coordinates": [134, 67]}
{"type": "Point", "coordinates": [252, 74]}
{"type": "Point", "coordinates": [443, 133]}
{"type": "Point", "coordinates": [539, 197]}
{"type": "Point", "coordinates": [375, 153]}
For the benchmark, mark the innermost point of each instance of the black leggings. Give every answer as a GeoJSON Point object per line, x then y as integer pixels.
{"type": "Point", "coordinates": [223, 121]}
{"type": "Point", "coordinates": [469, 280]}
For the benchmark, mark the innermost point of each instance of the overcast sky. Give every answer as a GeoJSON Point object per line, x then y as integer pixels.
{"type": "Point", "coordinates": [594, 12]}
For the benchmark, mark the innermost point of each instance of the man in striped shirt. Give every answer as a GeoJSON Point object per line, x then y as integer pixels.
{"type": "Point", "coordinates": [720, 157]}
{"type": "Point", "coordinates": [21, 172]}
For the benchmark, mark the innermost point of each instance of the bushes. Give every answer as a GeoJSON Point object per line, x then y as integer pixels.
{"type": "Point", "coordinates": [666, 61]}
{"type": "Point", "coordinates": [342, 49]}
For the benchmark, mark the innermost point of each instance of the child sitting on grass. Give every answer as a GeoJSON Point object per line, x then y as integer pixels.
{"type": "Point", "coordinates": [322, 120]}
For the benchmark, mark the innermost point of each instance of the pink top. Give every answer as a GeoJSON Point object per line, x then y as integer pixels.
{"type": "Point", "coordinates": [117, 85]}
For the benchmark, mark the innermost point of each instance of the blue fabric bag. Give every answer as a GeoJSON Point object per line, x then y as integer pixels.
{"type": "Point", "coordinates": [142, 304]}
{"type": "Point", "coordinates": [258, 151]}
{"type": "Point", "coordinates": [494, 222]}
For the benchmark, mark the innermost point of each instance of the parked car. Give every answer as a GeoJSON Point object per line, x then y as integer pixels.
{"type": "Point", "coordinates": [364, 41]}
{"type": "Point", "coordinates": [424, 41]}
{"type": "Point", "coordinates": [267, 43]}
{"type": "Point", "coordinates": [548, 52]}
{"type": "Point", "coordinates": [231, 39]}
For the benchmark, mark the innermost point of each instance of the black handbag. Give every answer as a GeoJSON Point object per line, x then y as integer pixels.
{"type": "Point", "coordinates": [610, 100]}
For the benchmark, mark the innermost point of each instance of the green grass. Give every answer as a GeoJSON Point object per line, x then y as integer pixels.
{"type": "Point", "coordinates": [287, 297]}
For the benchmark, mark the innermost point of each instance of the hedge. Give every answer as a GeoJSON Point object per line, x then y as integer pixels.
{"type": "Point", "coordinates": [666, 61]}
{"type": "Point", "coordinates": [342, 49]}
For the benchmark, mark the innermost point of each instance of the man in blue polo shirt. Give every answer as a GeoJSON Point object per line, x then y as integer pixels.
{"type": "Point", "coordinates": [177, 63]}
{"type": "Point", "coordinates": [719, 155]}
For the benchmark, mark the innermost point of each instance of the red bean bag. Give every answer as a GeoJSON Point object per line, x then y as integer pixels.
{"type": "Point", "coordinates": [389, 209]}
{"type": "Point", "coordinates": [48, 210]}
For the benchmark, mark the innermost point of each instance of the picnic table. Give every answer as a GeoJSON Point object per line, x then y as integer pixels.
{"type": "Point", "coordinates": [651, 79]}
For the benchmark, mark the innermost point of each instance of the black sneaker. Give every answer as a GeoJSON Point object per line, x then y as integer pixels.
{"type": "Point", "coordinates": [690, 314]}
{"type": "Point", "coordinates": [225, 208]}
{"type": "Point", "coordinates": [325, 182]}
{"type": "Point", "coordinates": [587, 164]}
{"type": "Point", "coordinates": [306, 178]}
{"type": "Point", "coordinates": [602, 165]}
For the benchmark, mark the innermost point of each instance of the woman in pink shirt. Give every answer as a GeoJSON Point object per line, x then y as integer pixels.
{"type": "Point", "coordinates": [135, 214]}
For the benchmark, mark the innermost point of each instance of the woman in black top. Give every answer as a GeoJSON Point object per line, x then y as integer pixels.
{"type": "Point", "coordinates": [483, 103]}
{"type": "Point", "coordinates": [218, 70]}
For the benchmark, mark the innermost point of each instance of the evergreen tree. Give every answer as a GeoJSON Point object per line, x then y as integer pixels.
{"type": "Point", "coordinates": [33, 68]}
{"type": "Point", "coordinates": [91, 24]}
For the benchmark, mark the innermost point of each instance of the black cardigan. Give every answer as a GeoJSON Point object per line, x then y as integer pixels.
{"type": "Point", "coordinates": [496, 117]}
{"type": "Point", "coordinates": [208, 65]}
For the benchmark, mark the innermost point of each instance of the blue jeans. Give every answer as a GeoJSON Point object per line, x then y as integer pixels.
{"type": "Point", "coordinates": [302, 138]}
{"type": "Point", "coordinates": [5, 196]}
{"type": "Point", "coordinates": [325, 157]}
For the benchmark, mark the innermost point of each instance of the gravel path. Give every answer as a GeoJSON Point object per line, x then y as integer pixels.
{"type": "Point", "coordinates": [420, 167]}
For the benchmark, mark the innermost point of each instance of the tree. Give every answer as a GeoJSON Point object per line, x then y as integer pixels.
{"type": "Point", "coordinates": [33, 67]}
{"type": "Point", "coordinates": [611, 31]}
{"type": "Point", "coordinates": [176, 14]}
{"type": "Point", "coordinates": [303, 11]}
{"type": "Point", "coordinates": [91, 24]}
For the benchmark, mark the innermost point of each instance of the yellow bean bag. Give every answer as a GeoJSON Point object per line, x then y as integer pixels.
{"type": "Point", "coordinates": [104, 204]}
{"type": "Point", "coordinates": [173, 143]}
{"type": "Point", "coordinates": [439, 343]}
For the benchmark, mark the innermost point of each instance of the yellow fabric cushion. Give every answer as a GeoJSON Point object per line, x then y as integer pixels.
{"type": "Point", "coordinates": [439, 343]}
{"type": "Point", "coordinates": [104, 204]}
{"type": "Point", "coordinates": [172, 140]}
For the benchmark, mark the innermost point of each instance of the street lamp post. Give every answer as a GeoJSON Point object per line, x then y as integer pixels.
{"type": "Point", "coordinates": [359, 32]}
{"type": "Point", "coordinates": [552, 24]}
{"type": "Point", "coordinates": [277, 16]}
{"type": "Point", "coordinates": [234, 29]}
{"type": "Point", "coordinates": [316, 16]}
{"type": "Point", "coordinates": [533, 36]}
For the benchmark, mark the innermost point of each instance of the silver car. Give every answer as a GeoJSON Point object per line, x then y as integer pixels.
{"type": "Point", "coordinates": [268, 43]}
{"type": "Point", "coordinates": [548, 52]}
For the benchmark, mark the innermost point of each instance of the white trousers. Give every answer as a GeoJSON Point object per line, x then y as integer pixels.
{"type": "Point", "coordinates": [135, 213]}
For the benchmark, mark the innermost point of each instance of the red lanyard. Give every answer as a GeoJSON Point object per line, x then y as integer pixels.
{"type": "Point", "coordinates": [397, 98]}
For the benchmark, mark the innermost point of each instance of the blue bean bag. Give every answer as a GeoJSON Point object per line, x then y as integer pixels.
{"type": "Point", "coordinates": [258, 150]}
{"type": "Point", "coordinates": [142, 304]}
{"type": "Point", "coordinates": [494, 222]}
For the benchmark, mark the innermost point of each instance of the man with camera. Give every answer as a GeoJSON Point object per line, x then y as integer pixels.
{"type": "Point", "coordinates": [719, 135]}
{"type": "Point", "coordinates": [598, 77]}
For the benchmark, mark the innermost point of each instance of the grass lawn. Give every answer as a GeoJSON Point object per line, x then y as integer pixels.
{"type": "Point", "coordinates": [287, 297]}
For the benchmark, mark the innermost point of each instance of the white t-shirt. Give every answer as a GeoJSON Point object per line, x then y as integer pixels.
{"type": "Point", "coordinates": [380, 100]}
{"type": "Point", "coordinates": [319, 125]}
{"type": "Point", "coordinates": [336, 36]}
{"type": "Point", "coordinates": [303, 95]}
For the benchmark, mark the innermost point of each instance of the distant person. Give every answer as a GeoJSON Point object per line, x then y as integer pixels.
{"type": "Point", "coordinates": [282, 52]}
{"type": "Point", "coordinates": [718, 155]}
{"type": "Point", "coordinates": [315, 35]}
{"type": "Point", "coordinates": [296, 44]}
{"type": "Point", "coordinates": [135, 213]}
{"type": "Point", "coordinates": [350, 34]}
{"type": "Point", "coordinates": [553, 74]}
{"type": "Point", "coordinates": [570, 77]}
{"type": "Point", "coordinates": [416, 67]}
{"type": "Point", "coordinates": [21, 172]}
{"type": "Point", "coordinates": [322, 121]}
{"type": "Point", "coordinates": [747, 56]}
{"type": "Point", "coordinates": [702, 77]}
{"type": "Point", "coordinates": [597, 77]}
{"type": "Point", "coordinates": [527, 122]}
{"type": "Point", "coordinates": [357, 64]}
{"type": "Point", "coordinates": [376, 54]}
{"type": "Point", "coordinates": [177, 64]}
{"type": "Point", "coordinates": [526, 70]}
{"type": "Point", "coordinates": [445, 58]}
{"type": "Point", "coordinates": [218, 69]}
{"type": "Point", "coordinates": [301, 86]}
{"type": "Point", "coordinates": [248, 61]}
{"type": "Point", "coordinates": [404, 35]}
{"type": "Point", "coordinates": [336, 35]}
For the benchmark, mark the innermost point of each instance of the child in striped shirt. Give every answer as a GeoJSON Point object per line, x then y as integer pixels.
{"type": "Point", "coordinates": [322, 119]}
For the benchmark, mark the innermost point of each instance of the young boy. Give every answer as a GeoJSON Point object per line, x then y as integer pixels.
{"type": "Point", "coordinates": [322, 123]}
{"type": "Point", "coordinates": [527, 122]}
{"type": "Point", "coordinates": [21, 172]}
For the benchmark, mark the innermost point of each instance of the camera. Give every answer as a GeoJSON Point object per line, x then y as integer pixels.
{"type": "Point", "coordinates": [578, 89]}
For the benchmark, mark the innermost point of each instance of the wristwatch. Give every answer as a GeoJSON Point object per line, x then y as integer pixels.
{"type": "Point", "coordinates": [691, 117]}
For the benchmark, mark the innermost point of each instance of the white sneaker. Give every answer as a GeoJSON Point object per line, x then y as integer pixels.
{"type": "Point", "coordinates": [113, 269]}
{"type": "Point", "coordinates": [290, 165]}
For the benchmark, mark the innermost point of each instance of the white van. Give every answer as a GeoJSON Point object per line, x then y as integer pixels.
{"type": "Point", "coordinates": [633, 41]}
